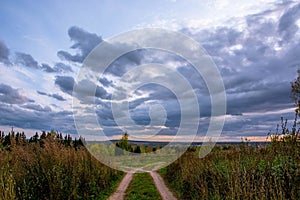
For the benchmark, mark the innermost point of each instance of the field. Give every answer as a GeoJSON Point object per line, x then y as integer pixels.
{"type": "Point", "coordinates": [52, 168]}
{"type": "Point", "coordinates": [238, 172]}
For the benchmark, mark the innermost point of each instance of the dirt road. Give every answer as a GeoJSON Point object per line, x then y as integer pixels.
{"type": "Point", "coordinates": [164, 192]}
{"type": "Point", "coordinates": [120, 193]}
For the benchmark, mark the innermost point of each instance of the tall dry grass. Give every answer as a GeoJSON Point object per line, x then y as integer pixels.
{"type": "Point", "coordinates": [53, 171]}
{"type": "Point", "coordinates": [239, 172]}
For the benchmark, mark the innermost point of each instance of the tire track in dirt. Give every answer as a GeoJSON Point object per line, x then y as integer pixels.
{"type": "Point", "coordinates": [160, 185]}
{"type": "Point", "coordinates": [120, 192]}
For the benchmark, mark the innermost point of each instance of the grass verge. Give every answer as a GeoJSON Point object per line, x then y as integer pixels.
{"type": "Point", "coordinates": [142, 188]}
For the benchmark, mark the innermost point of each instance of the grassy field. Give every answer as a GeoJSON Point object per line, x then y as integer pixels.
{"type": "Point", "coordinates": [142, 188]}
{"type": "Point", "coordinates": [238, 172]}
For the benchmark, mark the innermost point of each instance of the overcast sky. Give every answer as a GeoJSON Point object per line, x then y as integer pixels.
{"type": "Point", "coordinates": [255, 45]}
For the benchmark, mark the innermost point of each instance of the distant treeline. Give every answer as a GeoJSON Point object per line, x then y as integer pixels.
{"type": "Point", "coordinates": [13, 138]}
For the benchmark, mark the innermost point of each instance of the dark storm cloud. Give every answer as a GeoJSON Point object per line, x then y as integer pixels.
{"type": "Point", "coordinates": [122, 64]}
{"type": "Point", "coordinates": [10, 95]}
{"type": "Point", "coordinates": [65, 83]}
{"type": "Point", "coordinates": [61, 67]}
{"type": "Point", "coordinates": [4, 53]}
{"type": "Point", "coordinates": [19, 111]}
{"type": "Point", "coordinates": [58, 68]}
{"type": "Point", "coordinates": [55, 96]}
{"type": "Point", "coordinates": [26, 60]}
{"type": "Point", "coordinates": [31, 116]}
{"type": "Point", "coordinates": [83, 41]}
{"type": "Point", "coordinates": [83, 88]}
{"type": "Point", "coordinates": [47, 68]}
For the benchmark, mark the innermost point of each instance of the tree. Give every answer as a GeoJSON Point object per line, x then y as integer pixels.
{"type": "Point", "coordinates": [34, 138]}
{"type": "Point", "coordinates": [296, 93]}
{"type": "Point", "coordinates": [122, 145]}
{"type": "Point", "coordinates": [291, 135]}
{"type": "Point", "coordinates": [137, 149]}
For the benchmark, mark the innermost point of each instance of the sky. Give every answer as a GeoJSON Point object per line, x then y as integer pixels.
{"type": "Point", "coordinates": [43, 44]}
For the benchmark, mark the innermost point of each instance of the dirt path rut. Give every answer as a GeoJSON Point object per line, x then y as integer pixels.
{"type": "Point", "coordinates": [120, 193]}
{"type": "Point", "coordinates": [160, 185]}
{"type": "Point", "coordinates": [163, 190]}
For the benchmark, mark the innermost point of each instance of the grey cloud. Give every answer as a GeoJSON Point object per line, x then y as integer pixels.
{"type": "Point", "coordinates": [65, 83]}
{"type": "Point", "coordinates": [10, 95]}
{"type": "Point", "coordinates": [84, 89]}
{"type": "Point", "coordinates": [105, 82]}
{"type": "Point", "coordinates": [47, 68]}
{"type": "Point", "coordinates": [61, 67]}
{"type": "Point", "coordinates": [58, 97]}
{"type": "Point", "coordinates": [36, 117]}
{"type": "Point", "coordinates": [26, 60]}
{"type": "Point", "coordinates": [37, 107]}
{"type": "Point", "coordinates": [42, 93]}
{"type": "Point", "coordinates": [4, 53]}
{"type": "Point", "coordinates": [55, 96]}
{"type": "Point", "coordinates": [287, 24]}
{"type": "Point", "coordinates": [58, 68]}
{"type": "Point", "coordinates": [83, 41]}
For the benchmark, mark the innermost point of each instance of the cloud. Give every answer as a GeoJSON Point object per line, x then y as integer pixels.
{"type": "Point", "coordinates": [105, 82]}
{"type": "Point", "coordinates": [83, 88]}
{"type": "Point", "coordinates": [65, 83]}
{"type": "Point", "coordinates": [4, 53]}
{"type": "Point", "coordinates": [47, 68]}
{"type": "Point", "coordinates": [287, 24]}
{"type": "Point", "coordinates": [83, 41]}
{"type": "Point", "coordinates": [55, 96]}
{"type": "Point", "coordinates": [61, 67]}
{"type": "Point", "coordinates": [37, 107]}
{"type": "Point", "coordinates": [10, 95]}
{"type": "Point", "coordinates": [37, 117]}
{"type": "Point", "coordinates": [257, 63]}
{"type": "Point", "coordinates": [26, 60]}
{"type": "Point", "coordinates": [58, 97]}
{"type": "Point", "coordinates": [257, 55]}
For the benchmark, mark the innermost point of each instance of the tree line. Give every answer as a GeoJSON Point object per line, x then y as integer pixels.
{"type": "Point", "coordinates": [12, 139]}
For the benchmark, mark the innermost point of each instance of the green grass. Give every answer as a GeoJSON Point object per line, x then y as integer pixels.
{"type": "Point", "coordinates": [142, 188]}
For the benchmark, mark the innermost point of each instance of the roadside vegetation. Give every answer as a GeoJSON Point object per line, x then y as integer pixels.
{"type": "Point", "coordinates": [48, 166]}
{"type": "Point", "coordinates": [238, 172]}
